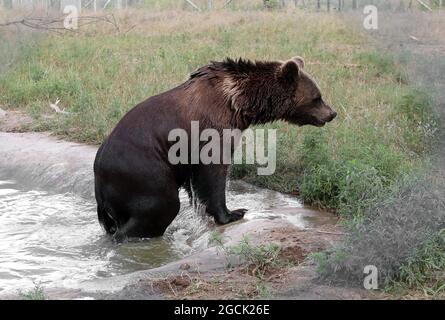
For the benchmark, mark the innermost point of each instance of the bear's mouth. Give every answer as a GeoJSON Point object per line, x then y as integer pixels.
{"type": "Point", "coordinates": [313, 122]}
{"type": "Point", "coordinates": [318, 123]}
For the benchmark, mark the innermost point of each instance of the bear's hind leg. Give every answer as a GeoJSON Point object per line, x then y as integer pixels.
{"type": "Point", "coordinates": [149, 217]}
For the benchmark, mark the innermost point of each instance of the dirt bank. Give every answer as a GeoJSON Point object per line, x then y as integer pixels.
{"type": "Point", "coordinates": [206, 276]}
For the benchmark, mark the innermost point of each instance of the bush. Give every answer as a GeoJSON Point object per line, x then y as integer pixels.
{"type": "Point", "coordinates": [394, 235]}
{"type": "Point", "coordinates": [37, 293]}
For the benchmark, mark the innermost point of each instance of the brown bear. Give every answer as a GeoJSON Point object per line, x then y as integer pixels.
{"type": "Point", "coordinates": [136, 186]}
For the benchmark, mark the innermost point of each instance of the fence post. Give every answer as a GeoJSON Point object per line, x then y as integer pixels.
{"type": "Point", "coordinates": [190, 2]}
{"type": "Point", "coordinates": [354, 4]}
{"type": "Point", "coordinates": [329, 5]}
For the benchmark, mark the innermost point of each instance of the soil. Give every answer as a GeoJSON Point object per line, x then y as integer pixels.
{"type": "Point", "coordinates": [14, 121]}
{"type": "Point", "coordinates": [295, 279]}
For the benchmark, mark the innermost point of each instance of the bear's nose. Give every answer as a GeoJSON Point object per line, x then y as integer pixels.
{"type": "Point", "coordinates": [333, 115]}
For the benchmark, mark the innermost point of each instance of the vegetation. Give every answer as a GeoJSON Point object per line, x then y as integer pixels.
{"type": "Point", "coordinates": [256, 260]}
{"type": "Point", "coordinates": [37, 293]}
{"type": "Point", "coordinates": [424, 269]}
{"type": "Point", "coordinates": [401, 231]}
{"type": "Point", "coordinates": [402, 234]}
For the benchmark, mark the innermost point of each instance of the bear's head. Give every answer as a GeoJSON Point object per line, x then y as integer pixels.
{"type": "Point", "coordinates": [303, 103]}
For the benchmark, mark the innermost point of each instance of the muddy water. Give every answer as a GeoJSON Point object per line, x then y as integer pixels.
{"type": "Point", "coordinates": [50, 234]}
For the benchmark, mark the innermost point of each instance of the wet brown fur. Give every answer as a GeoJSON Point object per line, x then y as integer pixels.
{"type": "Point", "coordinates": [136, 186]}
{"type": "Point", "coordinates": [240, 93]}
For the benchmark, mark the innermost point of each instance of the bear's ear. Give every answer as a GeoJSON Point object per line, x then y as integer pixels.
{"type": "Point", "coordinates": [289, 71]}
{"type": "Point", "coordinates": [300, 61]}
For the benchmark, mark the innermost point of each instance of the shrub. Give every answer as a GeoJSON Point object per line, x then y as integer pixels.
{"type": "Point", "coordinates": [394, 235]}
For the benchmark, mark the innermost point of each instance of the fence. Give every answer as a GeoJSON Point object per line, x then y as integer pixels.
{"type": "Point", "coordinates": [92, 5]}
{"type": "Point", "coordinates": [200, 5]}
{"type": "Point", "coordinates": [323, 5]}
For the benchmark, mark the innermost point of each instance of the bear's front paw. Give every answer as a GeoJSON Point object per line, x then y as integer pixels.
{"type": "Point", "coordinates": [237, 214]}
{"type": "Point", "coordinates": [227, 216]}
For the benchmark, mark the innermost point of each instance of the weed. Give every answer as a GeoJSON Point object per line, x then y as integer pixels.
{"type": "Point", "coordinates": [424, 269]}
{"type": "Point", "coordinates": [256, 260]}
{"type": "Point", "coordinates": [399, 235]}
{"type": "Point", "coordinates": [37, 293]}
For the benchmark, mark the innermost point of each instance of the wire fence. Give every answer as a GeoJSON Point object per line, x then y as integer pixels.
{"type": "Point", "coordinates": [202, 5]}
{"type": "Point", "coordinates": [90, 5]}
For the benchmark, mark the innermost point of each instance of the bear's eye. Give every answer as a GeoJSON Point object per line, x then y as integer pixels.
{"type": "Point", "coordinates": [318, 99]}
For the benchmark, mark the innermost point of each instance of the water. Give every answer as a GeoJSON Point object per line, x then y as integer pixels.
{"type": "Point", "coordinates": [55, 239]}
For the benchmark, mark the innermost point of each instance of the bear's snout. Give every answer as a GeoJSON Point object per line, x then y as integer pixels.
{"type": "Point", "coordinates": [328, 114]}
{"type": "Point", "coordinates": [332, 116]}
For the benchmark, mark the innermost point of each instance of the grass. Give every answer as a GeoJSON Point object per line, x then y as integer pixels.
{"type": "Point", "coordinates": [36, 293]}
{"type": "Point", "coordinates": [402, 234]}
{"type": "Point", "coordinates": [256, 260]}
{"type": "Point", "coordinates": [99, 74]}
{"type": "Point", "coordinates": [424, 269]}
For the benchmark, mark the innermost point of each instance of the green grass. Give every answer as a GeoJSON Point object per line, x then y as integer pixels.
{"type": "Point", "coordinates": [36, 293]}
{"type": "Point", "coordinates": [99, 75]}
{"type": "Point", "coordinates": [425, 269]}
{"type": "Point", "coordinates": [257, 260]}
